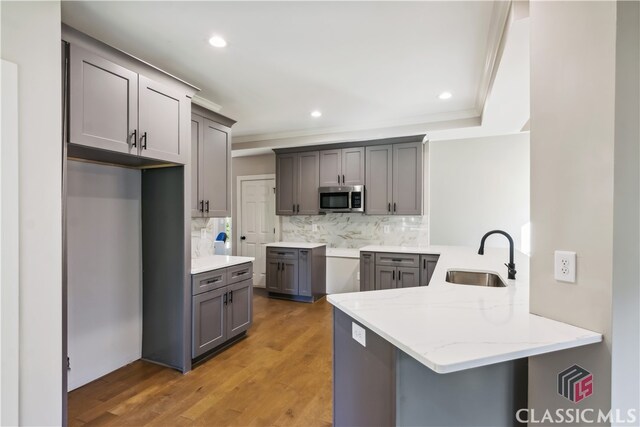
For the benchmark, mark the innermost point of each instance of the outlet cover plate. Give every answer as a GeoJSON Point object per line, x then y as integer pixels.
{"type": "Point", "coordinates": [359, 334]}
{"type": "Point", "coordinates": [565, 266]}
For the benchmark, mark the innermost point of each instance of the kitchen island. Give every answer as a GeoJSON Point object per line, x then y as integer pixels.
{"type": "Point", "coordinates": [442, 354]}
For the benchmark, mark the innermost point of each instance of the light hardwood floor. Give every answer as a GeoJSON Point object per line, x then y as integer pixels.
{"type": "Point", "coordinates": [279, 375]}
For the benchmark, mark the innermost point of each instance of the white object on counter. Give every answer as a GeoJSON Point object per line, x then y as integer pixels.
{"type": "Point", "coordinates": [343, 253]}
{"type": "Point", "coordinates": [449, 327]}
{"type": "Point", "coordinates": [214, 262]}
{"type": "Point", "coordinates": [298, 245]}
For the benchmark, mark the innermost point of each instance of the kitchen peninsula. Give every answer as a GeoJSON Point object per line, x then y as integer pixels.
{"type": "Point", "coordinates": [409, 356]}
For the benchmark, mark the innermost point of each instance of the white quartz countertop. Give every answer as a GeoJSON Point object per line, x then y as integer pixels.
{"type": "Point", "coordinates": [450, 327]}
{"type": "Point", "coordinates": [214, 262]}
{"type": "Point", "coordinates": [298, 245]}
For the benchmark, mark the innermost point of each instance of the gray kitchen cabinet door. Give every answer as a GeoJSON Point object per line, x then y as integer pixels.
{"type": "Point", "coordinates": [239, 305]}
{"type": "Point", "coordinates": [197, 129]}
{"type": "Point", "coordinates": [379, 179]}
{"type": "Point", "coordinates": [308, 178]}
{"type": "Point", "coordinates": [353, 166]}
{"type": "Point", "coordinates": [367, 271]}
{"type": "Point", "coordinates": [273, 275]}
{"type": "Point", "coordinates": [407, 178]}
{"type": "Point", "coordinates": [330, 168]}
{"type": "Point", "coordinates": [161, 112]}
{"type": "Point", "coordinates": [286, 184]}
{"type": "Point", "coordinates": [289, 277]}
{"type": "Point", "coordinates": [209, 325]}
{"type": "Point", "coordinates": [215, 171]}
{"type": "Point", "coordinates": [103, 103]}
{"type": "Point", "coordinates": [385, 277]}
{"type": "Point", "coordinates": [408, 277]}
{"type": "Point", "coordinates": [304, 273]}
{"type": "Point", "coordinates": [427, 266]}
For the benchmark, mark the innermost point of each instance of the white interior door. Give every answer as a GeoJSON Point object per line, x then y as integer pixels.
{"type": "Point", "coordinates": [257, 223]}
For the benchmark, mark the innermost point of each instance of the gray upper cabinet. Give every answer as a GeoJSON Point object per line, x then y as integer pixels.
{"type": "Point", "coordinates": [286, 184]}
{"type": "Point", "coordinates": [353, 166]}
{"type": "Point", "coordinates": [197, 125]}
{"type": "Point", "coordinates": [407, 178]}
{"type": "Point", "coordinates": [342, 167]}
{"type": "Point", "coordinates": [115, 109]}
{"type": "Point", "coordinates": [330, 168]}
{"type": "Point", "coordinates": [297, 182]}
{"type": "Point", "coordinates": [103, 103]}
{"type": "Point", "coordinates": [394, 178]}
{"type": "Point", "coordinates": [307, 180]}
{"type": "Point", "coordinates": [211, 169]}
{"type": "Point", "coordinates": [161, 111]}
{"type": "Point", "coordinates": [379, 180]}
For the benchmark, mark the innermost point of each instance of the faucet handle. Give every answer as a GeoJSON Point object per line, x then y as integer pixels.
{"type": "Point", "coordinates": [512, 270]}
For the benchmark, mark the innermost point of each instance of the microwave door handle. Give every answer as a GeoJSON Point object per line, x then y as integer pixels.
{"type": "Point", "coordinates": [349, 200]}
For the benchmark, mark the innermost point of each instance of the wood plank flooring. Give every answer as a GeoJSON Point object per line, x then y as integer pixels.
{"type": "Point", "coordinates": [280, 375]}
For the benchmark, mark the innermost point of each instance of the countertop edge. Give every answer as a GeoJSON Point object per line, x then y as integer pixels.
{"type": "Point", "coordinates": [477, 362]}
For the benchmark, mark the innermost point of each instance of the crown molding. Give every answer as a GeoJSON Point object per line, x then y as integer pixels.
{"type": "Point", "coordinates": [205, 103]}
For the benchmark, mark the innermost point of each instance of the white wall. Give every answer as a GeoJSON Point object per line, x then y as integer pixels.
{"type": "Point", "coordinates": [625, 334]}
{"type": "Point", "coordinates": [477, 185]}
{"type": "Point", "coordinates": [9, 249]}
{"type": "Point", "coordinates": [104, 270]}
{"type": "Point", "coordinates": [572, 186]}
{"type": "Point", "coordinates": [31, 39]}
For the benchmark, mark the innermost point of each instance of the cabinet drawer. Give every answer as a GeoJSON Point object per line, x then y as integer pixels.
{"type": "Point", "coordinates": [398, 260]}
{"type": "Point", "coordinates": [239, 273]}
{"type": "Point", "coordinates": [282, 253]}
{"type": "Point", "coordinates": [208, 281]}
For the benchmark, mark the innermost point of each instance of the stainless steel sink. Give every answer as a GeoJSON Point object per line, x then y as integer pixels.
{"type": "Point", "coordinates": [475, 278]}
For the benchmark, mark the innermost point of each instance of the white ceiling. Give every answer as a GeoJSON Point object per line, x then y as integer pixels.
{"type": "Point", "coordinates": [364, 64]}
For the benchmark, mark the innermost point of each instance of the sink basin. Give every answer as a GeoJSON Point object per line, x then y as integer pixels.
{"type": "Point", "coordinates": [475, 278]}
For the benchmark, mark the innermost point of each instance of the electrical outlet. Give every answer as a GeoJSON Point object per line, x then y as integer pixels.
{"type": "Point", "coordinates": [565, 266]}
{"type": "Point", "coordinates": [385, 229]}
{"type": "Point", "coordinates": [314, 227]}
{"type": "Point", "coordinates": [203, 233]}
{"type": "Point", "coordinates": [359, 334]}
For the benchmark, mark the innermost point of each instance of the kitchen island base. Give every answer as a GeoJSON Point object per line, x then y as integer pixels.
{"type": "Point", "coordinates": [378, 384]}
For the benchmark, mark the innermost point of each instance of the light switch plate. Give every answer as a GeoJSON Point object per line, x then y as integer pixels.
{"type": "Point", "coordinates": [385, 229]}
{"type": "Point", "coordinates": [359, 334]}
{"type": "Point", "coordinates": [203, 233]}
{"type": "Point", "coordinates": [565, 266]}
{"type": "Point", "coordinates": [314, 227]}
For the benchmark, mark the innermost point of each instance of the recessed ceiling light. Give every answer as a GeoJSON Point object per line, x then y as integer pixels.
{"type": "Point", "coordinates": [316, 113]}
{"type": "Point", "coordinates": [217, 41]}
{"type": "Point", "coordinates": [445, 95]}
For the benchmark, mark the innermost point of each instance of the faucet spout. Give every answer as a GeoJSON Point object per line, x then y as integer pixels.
{"type": "Point", "coordinates": [511, 266]}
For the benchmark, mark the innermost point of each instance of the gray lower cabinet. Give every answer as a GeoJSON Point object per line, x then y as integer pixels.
{"type": "Point", "coordinates": [222, 307]}
{"type": "Point", "coordinates": [298, 274]}
{"type": "Point", "coordinates": [382, 270]}
{"type": "Point", "coordinates": [394, 179]}
{"type": "Point", "coordinates": [427, 265]}
{"type": "Point", "coordinates": [209, 325]}
{"type": "Point", "coordinates": [367, 271]}
{"type": "Point", "coordinates": [380, 385]}
{"type": "Point", "coordinates": [115, 109]}
{"type": "Point", "coordinates": [297, 182]}
{"type": "Point", "coordinates": [210, 165]}
{"type": "Point", "coordinates": [342, 167]}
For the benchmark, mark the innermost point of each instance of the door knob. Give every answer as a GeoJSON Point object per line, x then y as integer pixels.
{"type": "Point", "coordinates": [243, 237]}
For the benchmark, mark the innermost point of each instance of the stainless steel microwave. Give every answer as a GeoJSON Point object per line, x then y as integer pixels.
{"type": "Point", "coordinates": [342, 199]}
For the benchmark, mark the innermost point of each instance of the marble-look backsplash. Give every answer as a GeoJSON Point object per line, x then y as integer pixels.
{"type": "Point", "coordinates": [350, 230]}
{"type": "Point", "coordinates": [202, 242]}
